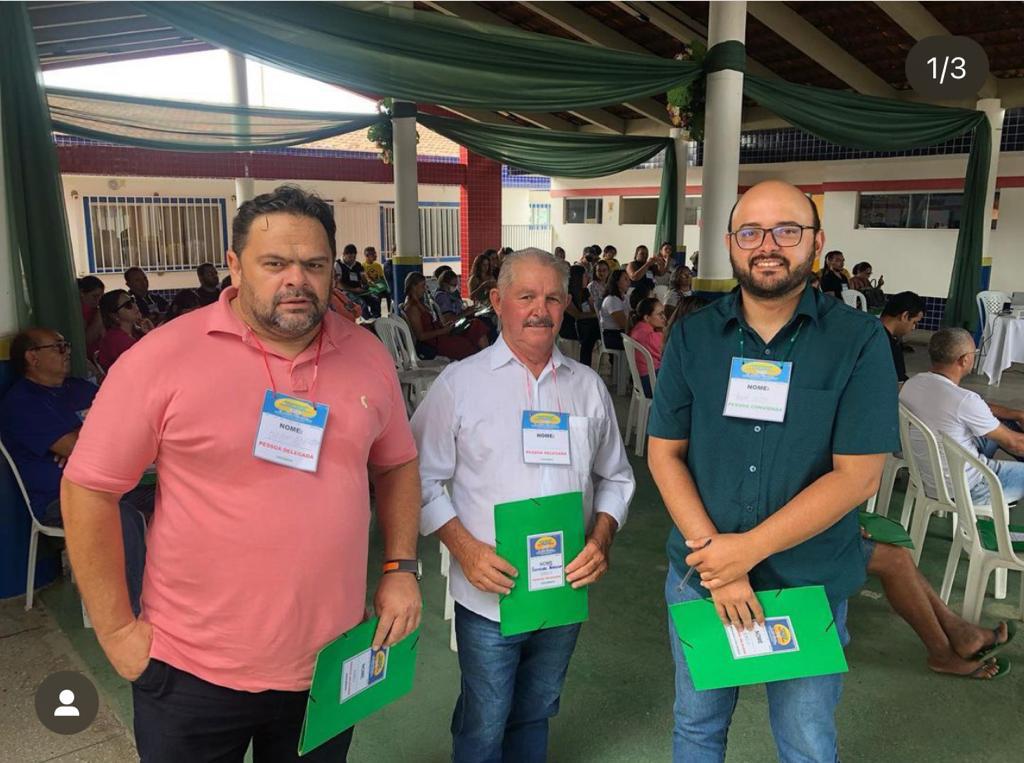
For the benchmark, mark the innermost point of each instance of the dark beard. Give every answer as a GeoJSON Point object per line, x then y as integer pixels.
{"type": "Point", "coordinates": [797, 277]}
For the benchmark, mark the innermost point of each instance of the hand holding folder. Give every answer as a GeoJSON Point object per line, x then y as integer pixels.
{"type": "Point", "coordinates": [352, 680]}
{"type": "Point", "coordinates": [798, 639]}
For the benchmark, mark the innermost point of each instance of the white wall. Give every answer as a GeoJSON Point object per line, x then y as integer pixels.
{"type": "Point", "coordinates": [918, 260]}
{"type": "Point", "coordinates": [353, 226]}
{"type": "Point", "coordinates": [515, 206]}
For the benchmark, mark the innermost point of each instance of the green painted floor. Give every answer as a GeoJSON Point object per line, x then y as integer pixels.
{"type": "Point", "coordinates": [617, 704]}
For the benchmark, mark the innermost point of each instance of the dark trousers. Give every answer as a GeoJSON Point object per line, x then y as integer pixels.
{"type": "Point", "coordinates": [613, 340]}
{"type": "Point", "coordinates": [587, 332]}
{"type": "Point", "coordinates": [180, 718]}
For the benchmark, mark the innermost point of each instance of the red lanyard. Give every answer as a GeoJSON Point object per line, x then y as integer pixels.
{"type": "Point", "coordinates": [529, 392]}
{"type": "Point", "coordinates": [266, 362]}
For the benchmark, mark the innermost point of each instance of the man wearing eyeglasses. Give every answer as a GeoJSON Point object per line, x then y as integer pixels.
{"type": "Point", "coordinates": [40, 419]}
{"type": "Point", "coordinates": [763, 488]}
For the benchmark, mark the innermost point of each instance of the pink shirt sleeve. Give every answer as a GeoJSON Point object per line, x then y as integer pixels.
{"type": "Point", "coordinates": [121, 433]}
{"type": "Point", "coordinates": [652, 341]}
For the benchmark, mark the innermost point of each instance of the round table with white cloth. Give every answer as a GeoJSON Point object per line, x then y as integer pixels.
{"type": "Point", "coordinates": [1004, 346]}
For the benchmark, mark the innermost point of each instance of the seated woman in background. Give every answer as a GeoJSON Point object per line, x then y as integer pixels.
{"type": "Point", "coordinates": [680, 288]}
{"type": "Point", "coordinates": [434, 336]}
{"type": "Point", "coordinates": [648, 331]}
{"type": "Point", "coordinates": [642, 268]}
{"type": "Point", "coordinates": [580, 320]}
{"type": "Point", "coordinates": [450, 303]}
{"type": "Point", "coordinates": [598, 285]}
{"type": "Point", "coordinates": [90, 289]}
{"type": "Point", "coordinates": [482, 278]}
{"type": "Point", "coordinates": [614, 315]}
{"type": "Point", "coordinates": [124, 326]}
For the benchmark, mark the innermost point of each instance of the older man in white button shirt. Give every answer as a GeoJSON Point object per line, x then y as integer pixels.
{"type": "Point", "coordinates": [469, 432]}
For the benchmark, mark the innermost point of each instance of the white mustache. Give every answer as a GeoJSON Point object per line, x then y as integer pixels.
{"type": "Point", "coordinates": [538, 323]}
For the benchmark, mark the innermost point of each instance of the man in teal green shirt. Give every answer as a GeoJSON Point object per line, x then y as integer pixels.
{"type": "Point", "coordinates": [773, 487]}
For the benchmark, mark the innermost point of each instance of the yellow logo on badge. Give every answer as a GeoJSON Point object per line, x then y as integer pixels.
{"type": "Point", "coordinates": [545, 542]}
{"type": "Point", "coordinates": [760, 368]}
{"type": "Point", "coordinates": [295, 407]}
{"type": "Point", "coordinates": [782, 634]}
{"type": "Point", "coordinates": [379, 660]}
{"type": "Point", "coordinates": [550, 419]}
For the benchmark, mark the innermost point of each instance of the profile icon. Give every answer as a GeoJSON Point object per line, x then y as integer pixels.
{"type": "Point", "coordinates": [66, 702]}
{"type": "Point", "coordinates": [67, 708]}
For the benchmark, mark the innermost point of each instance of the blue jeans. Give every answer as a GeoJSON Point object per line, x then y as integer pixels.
{"type": "Point", "coordinates": [1010, 473]}
{"type": "Point", "coordinates": [801, 710]}
{"type": "Point", "coordinates": [510, 688]}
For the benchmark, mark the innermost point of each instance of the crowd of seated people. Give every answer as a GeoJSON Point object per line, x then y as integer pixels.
{"type": "Point", "coordinates": [40, 418]}
{"type": "Point", "coordinates": [123, 324]}
{"type": "Point", "coordinates": [434, 334]}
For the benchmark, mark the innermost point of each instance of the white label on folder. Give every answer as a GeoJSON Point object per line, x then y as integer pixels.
{"type": "Point", "coordinates": [774, 637]}
{"type": "Point", "coordinates": [363, 671]}
{"type": "Point", "coordinates": [546, 555]}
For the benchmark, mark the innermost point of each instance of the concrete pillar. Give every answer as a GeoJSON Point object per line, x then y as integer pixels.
{"type": "Point", "coordinates": [479, 210]}
{"type": "Point", "coordinates": [681, 145]}
{"type": "Point", "coordinates": [245, 188]}
{"type": "Point", "coordinates": [407, 213]}
{"type": "Point", "coordinates": [727, 21]}
{"type": "Point", "coordinates": [993, 108]}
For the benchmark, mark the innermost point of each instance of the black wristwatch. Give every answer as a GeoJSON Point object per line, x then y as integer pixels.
{"type": "Point", "coordinates": [415, 566]}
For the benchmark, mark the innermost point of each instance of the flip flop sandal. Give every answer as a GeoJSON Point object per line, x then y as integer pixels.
{"type": "Point", "coordinates": [1002, 665]}
{"type": "Point", "coordinates": [994, 649]}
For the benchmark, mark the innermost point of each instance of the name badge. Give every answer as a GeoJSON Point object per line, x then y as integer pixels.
{"type": "Point", "coordinates": [546, 555]}
{"type": "Point", "coordinates": [291, 431]}
{"type": "Point", "coordinates": [546, 437]}
{"type": "Point", "coordinates": [758, 389]}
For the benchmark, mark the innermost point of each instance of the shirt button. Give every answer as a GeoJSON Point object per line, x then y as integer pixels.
{"type": "Point", "coordinates": [757, 428]}
{"type": "Point", "coordinates": [753, 468]}
{"type": "Point", "coordinates": [767, 350]}
{"type": "Point", "coordinates": [750, 508]}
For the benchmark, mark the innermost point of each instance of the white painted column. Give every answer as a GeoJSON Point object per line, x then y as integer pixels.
{"type": "Point", "coordinates": [245, 187]}
{"type": "Point", "coordinates": [727, 21]}
{"type": "Point", "coordinates": [993, 108]}
{"type": "Point", "coordinates": [407, 215]}
{"type": "Point", "coordinates": [681, 145]}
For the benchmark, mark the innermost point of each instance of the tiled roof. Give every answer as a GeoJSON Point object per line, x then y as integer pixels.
{"type": "Point", "coordinates": [430, 143]}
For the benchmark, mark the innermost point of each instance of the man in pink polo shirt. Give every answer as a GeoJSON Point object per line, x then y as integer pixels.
{"type": "Point", "coordinates": [265, 415]}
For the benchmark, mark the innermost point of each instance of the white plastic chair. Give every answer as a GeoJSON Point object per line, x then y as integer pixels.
{"type": "Point", "coordinates": [923, 503]}
{"type": "Point", "coordinates": [639, 403]}
{"type": "Point", "coordinates": [395, 334]}
{"type": "Point", "coordinates": [990, 304]}
{"type": "Point", "coordinates": [617, 359]}
{"type": "Point", "coordinates": [38, 528]}
{"type": "Point", "coordinates": [880, 500]}
{"type": "Point", "coordinates": [855, 299]}
{"type": "Point", "coordinates": [983, 559]}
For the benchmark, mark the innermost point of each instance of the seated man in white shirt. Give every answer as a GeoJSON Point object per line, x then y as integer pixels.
{"type": "Point", "coordinates": [937, 398]}
{"type": "Point", "coordinates": [469, 428]}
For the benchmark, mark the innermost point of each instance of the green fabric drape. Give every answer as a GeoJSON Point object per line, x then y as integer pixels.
{"type": "Point", "coordinates": [548, 152]}
{"type": "Point", "coordinates": [190, 126]}
{"type": "Point", "coordinates": [668, 200]}
{"type": "Point", "coordinates": [882, 124]}
{"type": "Point", "coordinates": [425, 57]}
{"type": "Point", "coordinates": [39, 246]}
{"type": "Point", "coordinates": [565, 154]}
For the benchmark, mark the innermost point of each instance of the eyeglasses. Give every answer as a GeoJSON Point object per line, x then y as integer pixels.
{"type": "Point", "coordinates": [783, 235]}
{"type": "Point", "coordinates": [63, 347]}
{"type": "Point", "coordinates": [128, 303]}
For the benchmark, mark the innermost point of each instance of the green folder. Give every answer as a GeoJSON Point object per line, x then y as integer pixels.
{"type": "Point", "coordinates": [539, 537]}
{"type": "Point", "coordinates": [884, 530]}
{"type": "Point", "coordinates": [352, 681]}
{"type": "Point", "coordinates": [799, 640]}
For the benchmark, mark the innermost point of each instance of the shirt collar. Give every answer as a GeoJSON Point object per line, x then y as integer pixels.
{"type": "Point", "coordinates": [811, 304]}
{"type": "Point", "coordinates": [501, 355]}
{"type": "Point", "coordinates": [222, 319]}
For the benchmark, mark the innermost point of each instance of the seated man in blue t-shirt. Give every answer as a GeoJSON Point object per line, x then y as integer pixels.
{"type": "Point", "coordinates": [40, 417]}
